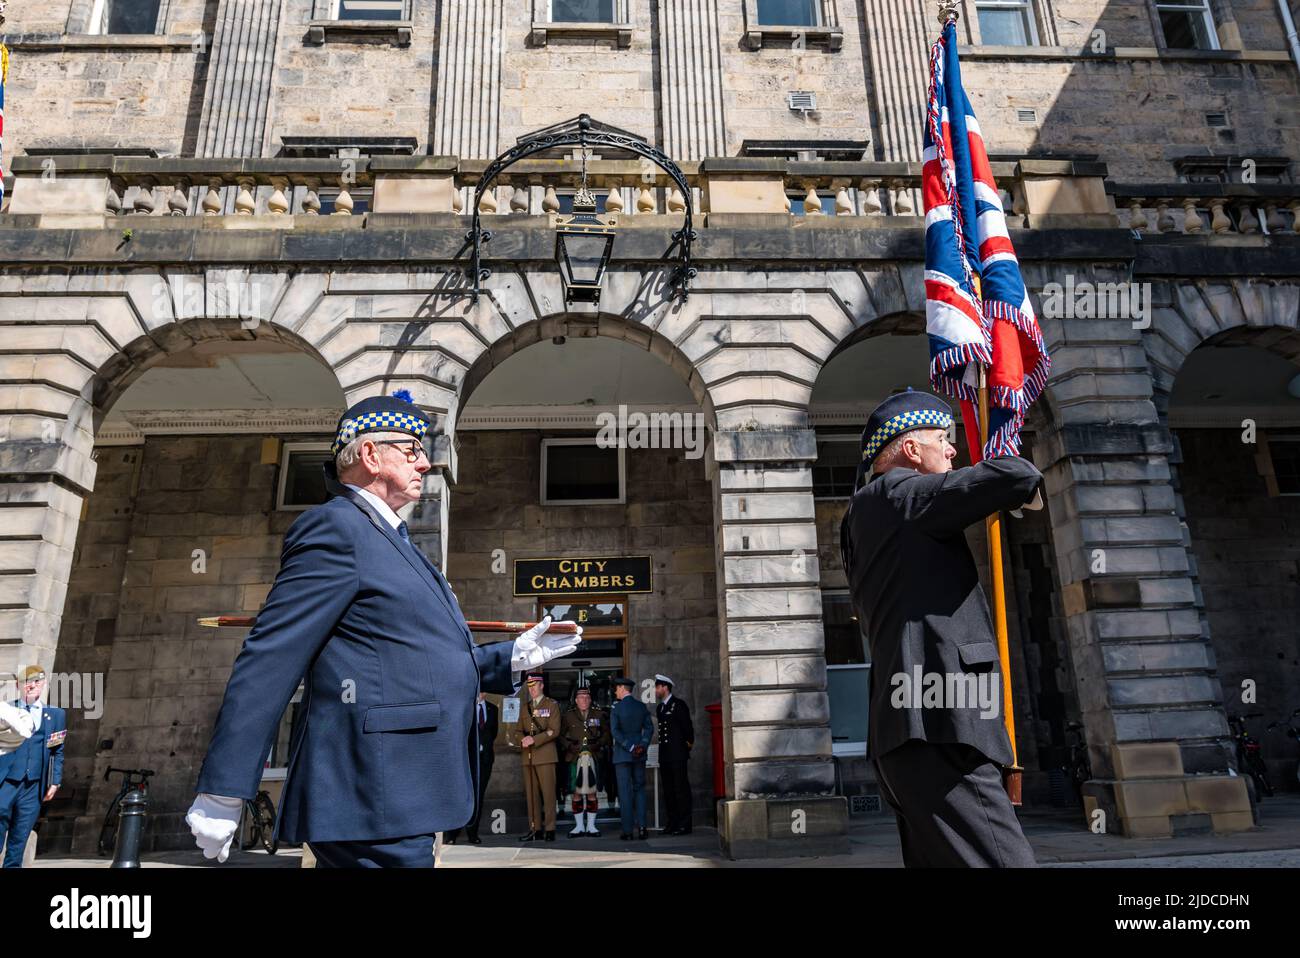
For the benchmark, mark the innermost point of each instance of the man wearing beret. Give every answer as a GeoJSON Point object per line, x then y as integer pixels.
{"type": "Point", "coordinates": [33, 771]}
{"type": "Point", "coordinates": [917, 594]}
{"type": "Point", "coordinates": [378, 764]}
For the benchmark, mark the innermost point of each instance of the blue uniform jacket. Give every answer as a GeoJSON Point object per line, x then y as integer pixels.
{"type": "Point", "coordinates": [36, 758]}
{"type": "Point", "coordinates": [630, 726]}
{"type": "Point", "coordinates": [392, 675]}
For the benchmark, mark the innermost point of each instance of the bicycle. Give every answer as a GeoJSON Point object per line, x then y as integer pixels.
{"type": "Point", "coordinates": [1249, 759]}
{"type": "Point", "coordinates": [261, 816]}
{"type": "Point", "coordinates": [132, 778]}
{"type": "Point", "coordinates": [1288, 726]}
{"type": "Point", "coordinates": [1079, 768]}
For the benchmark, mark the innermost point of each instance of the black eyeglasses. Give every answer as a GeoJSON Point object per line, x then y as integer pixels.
{"type": "Point", "coordinates": [414, 447]}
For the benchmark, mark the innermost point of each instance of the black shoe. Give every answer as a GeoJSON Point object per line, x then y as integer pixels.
{"type": "Point", "coordinates": [624, 837]}
{"type": "Point", "coordinates": [531, 836]}
{"type": "Point", "coordinates": [449, 841]}
{"type": "Point", "coordinates": [550, 836]}
{"type": "Point", "coordinates": [475, 840]}
{"type": "Point", "coordinates": [642, 834]}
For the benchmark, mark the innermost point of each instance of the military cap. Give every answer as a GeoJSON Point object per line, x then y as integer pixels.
{"type": "Point", "coordinates": [626, 682]}
{"type": "Point", "coordinates": [395, 413]}
{"type": "Point", "coordinates": [900, 413]}
{"type": "Point", "coordinates": [33, 672]}
{"type": "Point", "coordinates": [536, 677]}
{"type": "Point", "coordinates": [663, 680]}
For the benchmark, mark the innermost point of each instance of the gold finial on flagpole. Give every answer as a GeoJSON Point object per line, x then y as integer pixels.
{"type": "Point", "coordinates": [949, 11]}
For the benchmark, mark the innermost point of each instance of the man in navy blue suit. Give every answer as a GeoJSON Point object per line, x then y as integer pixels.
{"type": "Point", "coordinates": [378, 763]}
{"type": "Point", "coordinates": [32, 772]}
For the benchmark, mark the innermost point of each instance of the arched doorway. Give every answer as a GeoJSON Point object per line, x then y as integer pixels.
{"type": "Point", "coordinates": [1234, 412]}
{"type": "Point", "coordinates": [876, 361]}
{"type": "Point", "coordinates": [206, 450]}
{"type": "Point", "coordinates": [580, 473]}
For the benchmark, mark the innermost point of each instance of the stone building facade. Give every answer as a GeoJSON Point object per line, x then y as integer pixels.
{"type": "Point", "coordinates": [219, 233]}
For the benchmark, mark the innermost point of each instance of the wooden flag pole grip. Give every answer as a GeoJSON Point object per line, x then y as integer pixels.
{"type": "Point", "coordinates": [248, 621]}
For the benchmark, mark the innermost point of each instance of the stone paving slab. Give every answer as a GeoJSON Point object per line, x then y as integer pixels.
{"type": "Point", "coordinates": [1058, 840]}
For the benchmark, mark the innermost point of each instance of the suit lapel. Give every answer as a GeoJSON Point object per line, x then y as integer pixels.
{"type": "Point", "coordinates": [414, 558]}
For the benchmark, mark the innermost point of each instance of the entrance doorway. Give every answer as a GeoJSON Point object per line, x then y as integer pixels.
{"type": "Point", "coordinates": [600, 659]}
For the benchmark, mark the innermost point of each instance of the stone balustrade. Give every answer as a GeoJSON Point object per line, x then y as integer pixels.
{"type": "Point", "coordinates": [1208, 208]}
{"type": "Point", "coordinates": [77, 191]}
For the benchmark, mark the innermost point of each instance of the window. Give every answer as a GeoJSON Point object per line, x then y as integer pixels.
{"type": "Point", "coordinates": [302, 476]}
{"type": "Point", "coordinates": [579, 472]}
{"type": "Point", "coordinates": [848, 674]}
{"type": "Point", "coordinates": [1188, 25]}
{"type": "Point", "coordinates": [836, 468]}
{"type": "Point", "coordinates": [787, 13]}
{"type": "Point", "coordinates": [1006, 23]}
{"type": "Point", "coordinates": [361, 198]}
{"type": "Point", "coordinates": [582, 11]}
{"type": "Point", "coordinates": [369, 10]}
{"type": "Point", "coordinates": [1285, 453]}
{"type": "Point", "coordinates": [124, 16]}
{"type": "Point", "coordinates": [796, 203]}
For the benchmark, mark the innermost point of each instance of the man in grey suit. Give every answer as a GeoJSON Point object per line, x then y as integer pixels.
{"type": "Point", "coordinates": [936, 729]}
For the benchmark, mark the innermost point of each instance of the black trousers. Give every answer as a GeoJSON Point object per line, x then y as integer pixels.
{"type": "Point", "coordinates": [677, 794]}
{"type": "Point", "coordinates": [484, 776]}
{"type": "Point", "coordinates": [952, 809]}
{"type": "Point", "coordinates": [413, 852]}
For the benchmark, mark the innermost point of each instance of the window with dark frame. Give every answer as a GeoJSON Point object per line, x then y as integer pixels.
{"type": "Point", "coordinates": [787, 13]}
{"type": "Point", "coordinates": [125, 17]}
{"type": "Point", "coordinates": [303, 482]}
{"type": "Point", "coordinates": [582, 11]}
{"type": "Point", "coordinates": [1188, 25]}
{"type": "Point", "coordinates": [1006, 23]}
{"type": "Point", "coordinates": [580, 472]}
{"type": "Point", "coordinates": [370, 10]}
{"type": "Point", "coordinates": [836, 468]}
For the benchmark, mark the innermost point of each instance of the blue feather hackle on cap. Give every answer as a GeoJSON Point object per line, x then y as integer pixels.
{"type": "Point", "coordinates": [403, 394]}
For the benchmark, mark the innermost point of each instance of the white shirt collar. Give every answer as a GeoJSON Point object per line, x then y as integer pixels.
{"type": "Point", "coordinates": [391, 517]}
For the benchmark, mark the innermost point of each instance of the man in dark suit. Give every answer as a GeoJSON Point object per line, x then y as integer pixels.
{"type": "Point", "coordinates": [32, 772]}
{"type": "Point", "coordinates": [676, 739]}
{"type": "Point", "coordinates": [631, 728]}
{"type": "Point", "coordinates": [378, 764]}
{"type": "Point", "coordinates": [917, 593]}
{"type": "Point", "coordinates": [488, 718]}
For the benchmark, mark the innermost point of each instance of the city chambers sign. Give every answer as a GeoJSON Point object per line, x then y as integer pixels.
{"type": "Point", "coordinates": [582, 576]}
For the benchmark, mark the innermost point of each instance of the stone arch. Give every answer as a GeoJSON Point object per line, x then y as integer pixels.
{"type": "Point", "coordinates": [1259, 312]}
{"type": "Point", "coordinates": [581, 325]}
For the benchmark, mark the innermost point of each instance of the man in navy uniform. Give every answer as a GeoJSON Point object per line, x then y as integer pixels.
{"type": "Point", "coordinates": [676, 739]}
{"type": "Point", "coordinates": [917, 594]}
{"type": "Point", "coordinates": [379, 762]}
{"type": "Point", "coordinates": [632, 729]}
{"type": "Point", "coordinates": [32, 772]}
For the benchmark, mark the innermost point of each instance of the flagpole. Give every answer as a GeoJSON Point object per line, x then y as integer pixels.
{"type": "Point", "coordinates": [1011, 775]}
{"type": "Point", "coordinates": [949, 12]}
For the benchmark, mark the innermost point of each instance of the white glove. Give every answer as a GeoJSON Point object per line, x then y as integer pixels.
{"type": "Point", "coordinates": [536, 647]}
{"type": "Point", "coordinates": [213, 820]}
{"type": "Point", "coordinates": [15, 725]}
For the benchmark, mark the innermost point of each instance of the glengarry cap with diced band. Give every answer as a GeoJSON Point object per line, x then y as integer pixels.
{"type": "Point", "coordinates": [395, 413]}
{"type": "Point", "coordinates": [900, 413]}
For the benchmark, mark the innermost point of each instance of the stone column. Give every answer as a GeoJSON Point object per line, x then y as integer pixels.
{"type": "Point", "coordinates": [241, 65]}
{"type": "Point", "coordinates": [776, 712]}
{"type": "Point", "coordinates": [690, 68]}
{"type": "Point", "coordinates": [1143, 664]}
{"type": "Point", "coordinates": [898, 37]}
{"type": "Point", "coordinates": [467, 105]}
